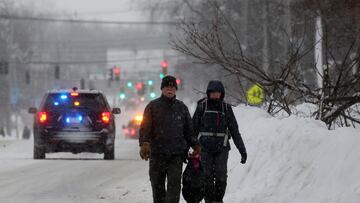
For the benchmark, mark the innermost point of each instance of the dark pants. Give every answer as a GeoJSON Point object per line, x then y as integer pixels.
{"type": "Point", "coordinates": [215, 172]}
{"type": "Point", "coordinates": [164, 167]}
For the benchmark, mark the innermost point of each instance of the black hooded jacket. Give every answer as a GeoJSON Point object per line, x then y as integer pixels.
{"type": "Point", "coordinates": [167, 127]}
{"type": "Point", "coordinates": [229, 123]}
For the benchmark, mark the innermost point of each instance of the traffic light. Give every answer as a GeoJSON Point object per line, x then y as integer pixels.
{"type": "Point", "coordinates": [111, 75]}
{"type": "Point", "coordinates": [180, 84]}
{"type": "Point", "coordinates": [139, 85]}
{"type": "Point", "coordinates": [27, 77]}
{"type": "Point", "coordinates": [117, 73]}
{"type": "Point", "coordinates": [122, 96]}
{"type": "Point", "coordinates": [164, 67]}
{"type": "Point", "coordinates": [57, 72]}
{"type": "Point", "coordinates": [129, 84]}
{"type": "Point", "coordinates": [4, 68]}
{"type": "Point", "coordinates": [140, 88]}
{"type": "Point", "coordinates": [150, 82]}
{"type": "Point", "coordinates": [152, 95]}
{"type": "Point", "coordinates": [162, 75]}
{"type": "Point", "coordinates": [82, 83]}
{"type": "Point", "coordinates": [152, 92]}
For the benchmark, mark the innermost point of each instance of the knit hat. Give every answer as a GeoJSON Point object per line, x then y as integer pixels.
{"type": "Point", "coordinates": [169, 81]}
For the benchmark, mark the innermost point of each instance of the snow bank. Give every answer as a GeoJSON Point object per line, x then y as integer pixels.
{"type": "Point", "coordinates": [293, 160]}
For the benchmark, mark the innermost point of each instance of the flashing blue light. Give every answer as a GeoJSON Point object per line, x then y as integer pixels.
{"type": "Point", "coordinates": [67, 120]}
{"type": "Point", "coordinates": [64, 96]}
{"type": "Point", "coordinates": [56, 103]}
{"type": "Point", "coordinates": [80, 118]}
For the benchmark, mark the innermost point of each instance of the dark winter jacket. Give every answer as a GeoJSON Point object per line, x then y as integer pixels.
{"type": "Point", "coordinates": [167, 127]}
{"type": "Point", "coordinates": [224, 121]}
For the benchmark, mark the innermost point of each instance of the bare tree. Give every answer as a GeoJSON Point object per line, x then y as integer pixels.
{"type": "Point", "coordinates": [218, 41]}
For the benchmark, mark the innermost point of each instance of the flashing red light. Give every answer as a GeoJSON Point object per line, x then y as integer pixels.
{"type": "Point", "coordinates": [139, 86]}
{"type": "Point", "coordinates": [105, 117]}
{"type": "Point", "coordinates": [164, 64]}
{"type": "Point", "coordinates": [116, 71]}
{"type": "Point", "coordinates": [74, 94]}
{"type": "Point", "coordinates": [42, 117]}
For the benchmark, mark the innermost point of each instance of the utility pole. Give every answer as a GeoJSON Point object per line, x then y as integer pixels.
{"type": "Point", "coordinates": [246, 11]}
{"type": "Point", "coordinates": [356, 8]}
{"type": "Point", "coordinates": [5, 97]}
{"type": "Point", "coordinates": [15, 95]}
{"type": "Point", "coordinates": [266, 47]}
{"type": "Point", "coordinates": [319, 60]}
{"type": "Point", "coordinates": [319, 51]}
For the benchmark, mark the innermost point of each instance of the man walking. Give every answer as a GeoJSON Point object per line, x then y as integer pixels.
{"type": "Point", "coordinates": [165, 136]}
{"type": "Point", "coordinates": [214, 123]}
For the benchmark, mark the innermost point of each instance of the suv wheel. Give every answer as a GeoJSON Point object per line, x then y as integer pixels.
{"type": "Point", "coordinates": [109, 153]}
{"type": "Point", "coordinates": [39, 153]}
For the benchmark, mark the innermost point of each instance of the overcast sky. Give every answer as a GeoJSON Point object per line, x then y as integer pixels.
{"type": "Point", "coordinates": [100, 9]}
{"type": "Point", "coordinates": [116, 10]}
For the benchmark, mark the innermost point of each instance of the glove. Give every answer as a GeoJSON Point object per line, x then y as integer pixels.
{"type": "Point", "coordinates": [243, 158]}
{"type": "Point", "coordinates": [145, 151]}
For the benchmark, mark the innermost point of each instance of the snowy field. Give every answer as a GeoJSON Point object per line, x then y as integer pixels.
{"type": "Point", "coordinates": [289, 160]}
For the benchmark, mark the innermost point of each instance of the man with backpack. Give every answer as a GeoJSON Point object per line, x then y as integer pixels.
{"type": "Point", "coordinates": [215, 123]}
{"type": "Point", "coordinates": [166, 133]}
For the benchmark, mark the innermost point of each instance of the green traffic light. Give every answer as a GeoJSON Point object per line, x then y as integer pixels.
{"type": "Point", "coordinates": [152, 95]}
{"type": "Point", "coordinates": [150, 82]}
{"type": "Point", "coordinates": [122, 96]}
{"type": "Point", "coordinates": [129, 84]}
{"type": "Point", "coordinates": [162, 75]}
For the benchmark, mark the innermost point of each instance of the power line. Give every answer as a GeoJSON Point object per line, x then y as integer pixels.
{"type": "Point", "coordinates": [97, 41]}
{"type": "Point", "coordinates": [89, 62]}
{"type": "Point", "coordinates": [43, 19]}
{"type": "Point", "coordinates": [107, 12]}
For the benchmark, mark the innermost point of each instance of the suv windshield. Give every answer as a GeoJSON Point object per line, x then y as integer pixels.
{"type": "Point", "coordinates": [82, 100]}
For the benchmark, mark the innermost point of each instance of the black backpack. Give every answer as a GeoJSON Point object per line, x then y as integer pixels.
{"type": "Point", "coordinates": [193, 189]}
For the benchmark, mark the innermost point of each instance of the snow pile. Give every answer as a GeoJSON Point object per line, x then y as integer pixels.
{"type": "Point", "coordinates": [293, 160]}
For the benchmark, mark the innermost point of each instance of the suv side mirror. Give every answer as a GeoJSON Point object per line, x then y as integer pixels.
{"type": "Point", "coordinates": [116, 111]}
{"type": "Point", "coordinates": [32, 110]}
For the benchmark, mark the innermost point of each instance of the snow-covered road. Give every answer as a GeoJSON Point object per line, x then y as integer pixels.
{"type": "Point", "coordinates": [290, 160]}
{"type": "Point", "coordinates": [65, 177]}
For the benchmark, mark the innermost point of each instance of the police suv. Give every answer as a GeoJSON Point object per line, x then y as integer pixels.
{"type": "Point", "coordinates": [74, 121]}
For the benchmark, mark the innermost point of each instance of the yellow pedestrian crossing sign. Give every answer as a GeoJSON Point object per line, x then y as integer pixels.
{"type": "Point", "coordinates": [255, 95]}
